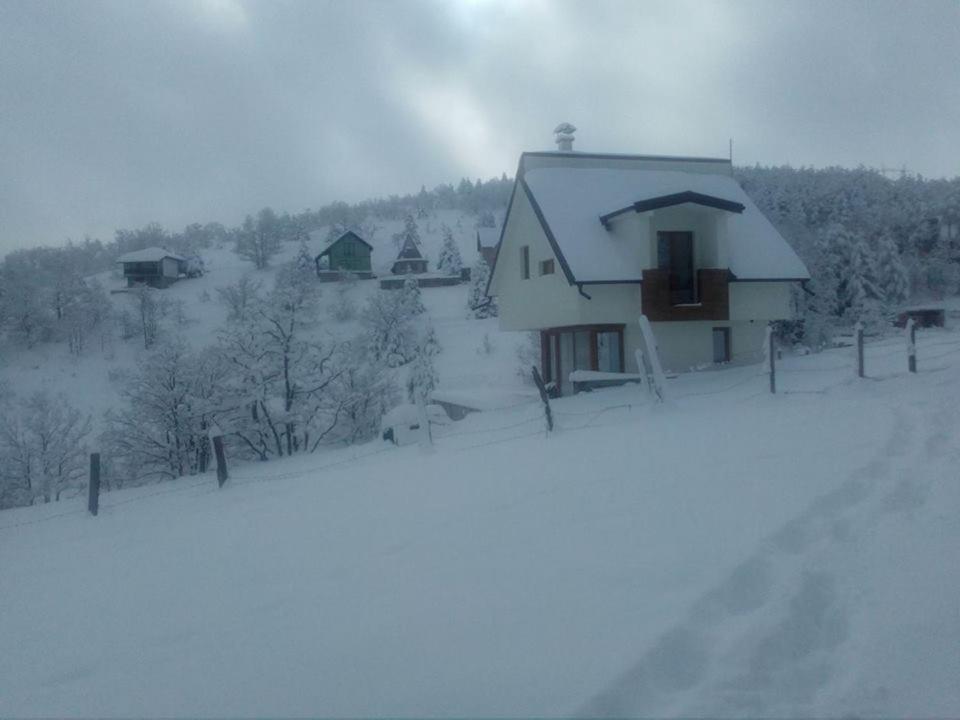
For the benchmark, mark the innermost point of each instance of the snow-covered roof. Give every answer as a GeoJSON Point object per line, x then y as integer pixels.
{"type": "Point", "coordinates": [573, 199]}
{"type": "Point", "coordinates": [488, 236]}
{"type": "Point", "coordinates": [409, 251]}
{"type": "Point", "coordinates": [410, 414]}
{"type": "Point", "coordinates": [345, 236]}
{"type": "Point", "coordinates": [150, 254]}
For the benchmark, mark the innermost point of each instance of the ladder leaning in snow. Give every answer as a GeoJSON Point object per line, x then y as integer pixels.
{"type": "Point", "coordinates": [648, 361]}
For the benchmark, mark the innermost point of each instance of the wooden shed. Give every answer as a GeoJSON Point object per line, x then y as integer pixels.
{"type": "Point", "coordinates": [152, 266]}
{"type": "Point", "coordinates": [349, 253]}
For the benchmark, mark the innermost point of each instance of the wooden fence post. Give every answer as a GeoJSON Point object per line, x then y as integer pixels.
{"type": "Point", "coordinates": [543, 396]}
{"type": "Point", "coordinates": [222, 474]}
{"type": "Point", "coordinates": [771, 359]}
{"type": "Point", "coordinates": [911, 345]}
{"type": "Point", "coordinates": [93, 487]}
{"type": "Point", "coordinates": [858, 334]}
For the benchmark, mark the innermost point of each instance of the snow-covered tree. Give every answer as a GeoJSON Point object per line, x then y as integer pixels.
{"type": "Point", "coordinates": [409, 233]}
{"type": "Point", "coordinates": [389, 327]}
{"type": "Point", "coordinates": [240, 296]}
{"type": "Point", "coordinates": [172, 400]}
{"type": "Point", "coordinates": [449, 261]}
{"type": "Point", "coordinates": [892, 276]}
{"type": "Point", "coordinates": [478, 303]}
{"type": "Point", "coordinates": [258, 240]}
{"type": "Point", "coordinates": [865, 294]}
{"type": "Point", "coordinates": [42, 450]}
{"type": "Point", "coordinates": [281, 379]}
{"type": "Point", "coordinates": [411, 299]}
{"type": "Point", "coordinates": [422, 378]}
{"type": "Point", "coordinates": [367, 391]}
{"type": "Point", "coordinates": [304, 262]}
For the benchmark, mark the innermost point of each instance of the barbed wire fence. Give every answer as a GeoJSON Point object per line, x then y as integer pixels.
{"type": "Point", "coordinates": [541, 419]}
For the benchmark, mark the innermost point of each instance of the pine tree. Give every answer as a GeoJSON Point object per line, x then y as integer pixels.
{"type": "Point", "coordinates": [304, 261]}
{"type": "Point", "coordinates": [449, 260]}
{"type": "Point", "coordinates": [865, 295]}
{"type": "Point", "coordinates": [411, 299]}
{"type": "Point", "coordinates": [892, 276]}
{"type": "Point", "coordinates": [409, 233]}
{"type": "Point", "coordinates": [478, 303]}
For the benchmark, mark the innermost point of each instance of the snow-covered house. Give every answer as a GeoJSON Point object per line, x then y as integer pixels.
{"type": "Point", "coordinates": [409, 260]}
{"type": "Point", "coordinates": [152, 266]}
{"type": "Point", "coordinates": [592, 241]}
{"type": "Point", "coordinates": [349, 253]}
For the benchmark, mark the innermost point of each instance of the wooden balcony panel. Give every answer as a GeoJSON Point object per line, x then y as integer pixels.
{"type": "Point", "coordinates": [713, 291]}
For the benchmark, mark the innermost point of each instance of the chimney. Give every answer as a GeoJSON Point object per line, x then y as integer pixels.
{"type": "Point", "coordinates": [563, 136]}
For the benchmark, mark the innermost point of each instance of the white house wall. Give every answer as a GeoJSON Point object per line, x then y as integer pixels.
{"type": "Point", "coordinates": [542, 300]}
{"type": "Point", "coordinates": [760, 301]}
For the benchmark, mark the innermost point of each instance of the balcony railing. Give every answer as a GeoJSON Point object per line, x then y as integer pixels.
{"type": "Point", "coordinates": [712, 301]}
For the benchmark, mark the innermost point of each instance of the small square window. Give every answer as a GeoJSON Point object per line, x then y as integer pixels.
{"type": "Point", "coordinates": [546, 267]}
{"type": "Point", "coordinates": [525, 262]}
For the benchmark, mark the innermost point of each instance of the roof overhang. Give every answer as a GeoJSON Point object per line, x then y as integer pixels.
{"type": "Point", "coordinates": [663, 201]}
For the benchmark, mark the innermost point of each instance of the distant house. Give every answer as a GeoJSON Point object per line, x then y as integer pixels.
{"type": "Point", "coordinates": [348, 253]}
{"type": "Point", "coordinates": [409, 261]}
{"type": "Point", "coordinates": [592, 241]}
{"type": "Point", "coordinates": [152, 266]}
{"type": "Point", "coordinates": [488, 239]}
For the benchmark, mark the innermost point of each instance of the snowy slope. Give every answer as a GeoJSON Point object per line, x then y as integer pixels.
{"type": "Point", "coordinates": [729, 553]}
{"type": "Point", "coordinates": [89, 382]}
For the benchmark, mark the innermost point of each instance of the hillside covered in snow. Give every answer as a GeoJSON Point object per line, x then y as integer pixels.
{"type": "Point", "coordinates": [797, 563]}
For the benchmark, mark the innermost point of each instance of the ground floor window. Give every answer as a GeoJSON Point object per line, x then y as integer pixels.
{"type": "Point", "coordinates": [582, 347]}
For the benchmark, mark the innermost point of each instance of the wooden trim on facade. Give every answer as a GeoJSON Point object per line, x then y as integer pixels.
{"type": "Point", "coordinates": [713, 292]}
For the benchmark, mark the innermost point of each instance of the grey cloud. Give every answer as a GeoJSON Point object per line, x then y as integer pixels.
{"type": "Point", "coordinates": [116, 114]}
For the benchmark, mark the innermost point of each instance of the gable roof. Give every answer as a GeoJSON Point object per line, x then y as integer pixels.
{"type": "Point", "coordinates": [569, 200]}
{"type": "Point", "coordinates": [150, 254]}
{"type": "Point", "coordinates": [349, 234]}
{"type": "Point", "coordinates": [409, 251]}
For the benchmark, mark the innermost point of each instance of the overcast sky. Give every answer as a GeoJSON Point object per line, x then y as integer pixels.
{"type": "Point", "coordinates": [115, 114]}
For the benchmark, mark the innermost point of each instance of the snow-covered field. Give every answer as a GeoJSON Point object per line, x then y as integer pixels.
{"type": "Point", "coordinates": [727, 553]}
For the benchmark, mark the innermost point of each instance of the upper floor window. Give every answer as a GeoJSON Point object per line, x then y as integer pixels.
{"type": "Point", "coordinates": [525, 262]}
{"type": "Point", "coordinates": [546, 267]}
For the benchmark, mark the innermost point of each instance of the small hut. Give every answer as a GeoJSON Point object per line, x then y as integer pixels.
{"type": "Point", "coordinates": [153, 266]}
{"type": "Point", "coordinates": [349, 253]}
{"type": "Point", "coordinates": [409, 261]}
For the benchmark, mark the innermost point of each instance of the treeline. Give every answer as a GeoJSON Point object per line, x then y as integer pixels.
{"type": "Point", "coordinates": [870, 242]}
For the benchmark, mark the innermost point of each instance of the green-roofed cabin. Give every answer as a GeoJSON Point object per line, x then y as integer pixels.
{"type": "Point", "coordinates": [348, 253]}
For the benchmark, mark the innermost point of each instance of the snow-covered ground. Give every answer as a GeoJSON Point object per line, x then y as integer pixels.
{"type": "Point", "coordinates": [727, 553]}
